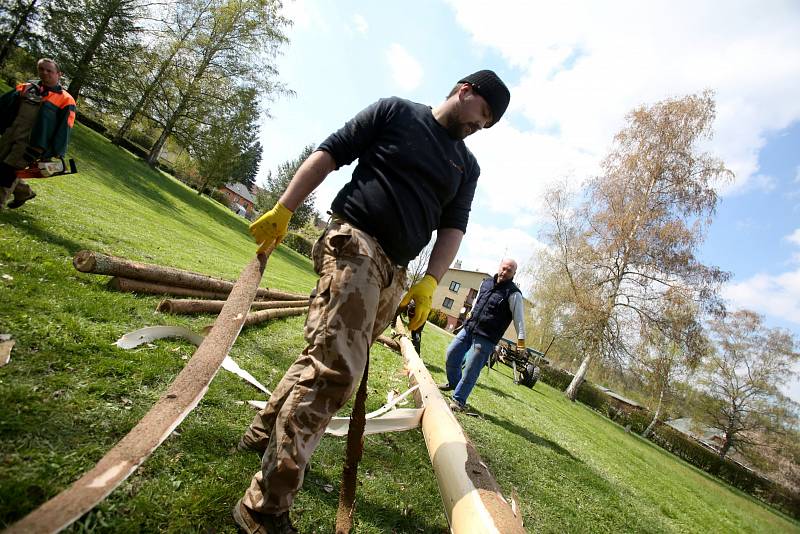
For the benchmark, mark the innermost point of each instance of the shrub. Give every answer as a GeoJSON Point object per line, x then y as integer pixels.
{"type": "Point", "coordinates": [220, 197]}
{"type": "Point", "coordinates": [298, 243]}
{"type": "Point", "coordinates": [90, 122]}
{"type": "Point", "coordinates": [438, 317]}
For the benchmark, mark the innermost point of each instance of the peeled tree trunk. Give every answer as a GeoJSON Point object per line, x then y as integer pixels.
{"type": "Point", "coordinates": [652, 425]}
{"type": "Point", "coordinates": [572, 390]}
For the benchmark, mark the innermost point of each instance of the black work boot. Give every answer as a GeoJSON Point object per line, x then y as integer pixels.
{"type": "Point", "coordinates": [252, 522]}
{"type": "Point", "coordinates": [20, 199]}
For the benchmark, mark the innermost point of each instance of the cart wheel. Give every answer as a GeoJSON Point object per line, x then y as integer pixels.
{"type": "Point", "coordinates": [527, 376]}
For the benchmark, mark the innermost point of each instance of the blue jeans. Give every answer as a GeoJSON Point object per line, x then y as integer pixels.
{"type": "Point", "coordinates": [470, 352]}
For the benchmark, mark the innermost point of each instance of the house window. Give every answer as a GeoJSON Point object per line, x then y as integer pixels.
{"type": "Point", "coordinates": [454, 286]}
{"type": "Point", "coordinates": [448, 303]}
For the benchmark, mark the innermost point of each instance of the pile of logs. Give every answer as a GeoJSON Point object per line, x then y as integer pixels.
{"type": "Point", "coordinates": [207, 293]}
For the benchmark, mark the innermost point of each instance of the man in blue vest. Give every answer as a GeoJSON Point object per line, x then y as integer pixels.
{"type": "Point", "coordinates": [499, 301]}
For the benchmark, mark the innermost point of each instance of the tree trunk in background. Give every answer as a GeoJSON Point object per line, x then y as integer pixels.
{"type": "Point", "coordinates": [82, 68]}
{"type": "Point", "coordinates": [12, 38]}
{"type": "Point", "coordinates": [572, 390]}
{"type": "Point", "coordinates": [652, 424]}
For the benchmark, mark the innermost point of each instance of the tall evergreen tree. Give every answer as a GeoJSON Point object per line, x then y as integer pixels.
{"type": "Point", "coordinates": [89, 38]}
{"type": "Point", "coordinates": [17, 22]}
{"type": "Point", "coordinates": [235, 37]}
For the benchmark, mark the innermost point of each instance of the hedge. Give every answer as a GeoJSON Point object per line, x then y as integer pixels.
{"type": "Point", "coordinates": [298, 243]}
{"type": "Point", "coordinates": [686, 448]}
{"type": "Point", "coordinates": [438, 317]}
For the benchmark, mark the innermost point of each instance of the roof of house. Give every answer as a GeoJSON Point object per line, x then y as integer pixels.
{"type": "Point", "coordinates": [617, 396]}
{"type": "Point", "coordinates": [240, 190]}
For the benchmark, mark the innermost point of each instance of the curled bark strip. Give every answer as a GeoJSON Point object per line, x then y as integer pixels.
{"type": "Point", "coordinates": [470, 495]}
{"type": "Point", "coordinates": [87, 261]}
{"type": "Point", "coordinates": [174, 405]}
{"type": "Point", "coordinates": [151, 333]}
{"type": "Point", "coordinates": [193, 306]}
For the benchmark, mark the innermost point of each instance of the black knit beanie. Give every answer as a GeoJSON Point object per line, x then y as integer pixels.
{"type": "Point", "coordinates": [489, 85]}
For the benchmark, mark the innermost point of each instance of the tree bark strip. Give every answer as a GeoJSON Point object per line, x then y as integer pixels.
{"type": "Point", "coordinates": [181, 397]}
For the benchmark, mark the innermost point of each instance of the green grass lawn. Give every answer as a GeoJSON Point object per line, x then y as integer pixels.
{"type": "Point", "coordinates": [68, 395]}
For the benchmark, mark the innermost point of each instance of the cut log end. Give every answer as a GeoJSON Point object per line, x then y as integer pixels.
{"type": "Point", "coordinates": [84, 261]}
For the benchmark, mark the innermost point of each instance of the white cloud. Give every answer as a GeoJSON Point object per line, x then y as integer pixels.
{"type": "Point", "coordinates": [583, 65]}
{"type": "Point", "coordinates": [773, 295]}
{"type": "Point", "coordinates": [794, 237]}
{"type": "Point", "coordinates": [797, 174]}
{"type": "Point", "coordinates": [485, 246]}
{"type": "Point", "coordinates": [360, 24]}
{"type": "Point", "coordinates": [406, 71]}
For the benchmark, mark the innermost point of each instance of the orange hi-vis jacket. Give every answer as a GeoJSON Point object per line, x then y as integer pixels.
{"type": "Point", "coordinates": [50, 130]}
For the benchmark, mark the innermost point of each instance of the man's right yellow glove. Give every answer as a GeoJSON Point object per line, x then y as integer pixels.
{"type": "Point", "coordinates": [422, 294]}
{"type": "Point", "coordinates": [269, 229]}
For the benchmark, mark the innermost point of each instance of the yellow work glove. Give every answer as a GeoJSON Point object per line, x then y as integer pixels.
{"type": "Point", "coordinates": [422, 294]}
{"type": "Point", "coordinates": [521, 345]}
{"type": "Point", "coordinates": [269, 229]}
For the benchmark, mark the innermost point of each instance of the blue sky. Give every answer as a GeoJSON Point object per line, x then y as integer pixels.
{"type": "Point", "coordinates": [574, 69]}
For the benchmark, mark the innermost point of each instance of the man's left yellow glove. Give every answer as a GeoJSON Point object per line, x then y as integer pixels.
{"type": "Point", "coordinates": [422, 294]}
{"type": "Point", "coordinates": [521, 345]}
{"type": "Point", "coordinates": [269, 229]}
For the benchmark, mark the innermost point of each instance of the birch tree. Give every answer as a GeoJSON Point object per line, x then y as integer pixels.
{"type": "Point", "coordinates": [743, 376]}
{"type": "Point", "coordinates": [235, 43]}
{"type": "Point", "coordinates": [634, 236]}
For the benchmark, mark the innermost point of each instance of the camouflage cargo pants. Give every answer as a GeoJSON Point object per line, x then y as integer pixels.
{"type": "Point", "coordinates": [357, 294]}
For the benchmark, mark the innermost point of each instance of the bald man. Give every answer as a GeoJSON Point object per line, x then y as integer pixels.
{"type": "Point", "coordinates": [499, 301]}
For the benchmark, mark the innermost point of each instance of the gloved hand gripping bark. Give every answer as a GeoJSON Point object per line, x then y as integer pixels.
{"type": "Point", "coordinates": [270, 229]}
{"type": "Point", "coordinates": [422, 294]}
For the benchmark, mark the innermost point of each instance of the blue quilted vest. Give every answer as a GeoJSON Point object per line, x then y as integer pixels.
{"type": "Point", "coordinates": [491, 314]}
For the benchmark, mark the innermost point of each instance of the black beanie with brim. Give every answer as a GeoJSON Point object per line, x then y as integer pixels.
{"type": "Point", "coordinates": [489, 85]}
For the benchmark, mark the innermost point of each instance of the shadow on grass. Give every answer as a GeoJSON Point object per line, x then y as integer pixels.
{"type": "Point", "coordinates": [34, 228]}
{"type": "Point", "coordinates": [387, 519]}
{"type": "Point", "coordinates": [140, 181]}
{"type": "Point", "coordinates": [529, 436]}
{"type": "Point", "coordinates": [498, 392]}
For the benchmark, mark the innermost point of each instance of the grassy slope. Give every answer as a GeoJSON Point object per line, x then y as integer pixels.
{"type": "Point", "coordinates": [68, 395]}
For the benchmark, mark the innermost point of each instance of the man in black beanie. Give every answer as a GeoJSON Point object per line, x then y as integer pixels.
{"type": "Point", "coordinates": [414, 175]}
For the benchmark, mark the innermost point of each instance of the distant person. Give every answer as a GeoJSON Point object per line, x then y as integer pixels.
{"type": "Point", "coordinates": [414, 175]}
{"type": "Point", "coordinates": [36, 120]}
{"type": "Point", "coordinates": [499, 301]}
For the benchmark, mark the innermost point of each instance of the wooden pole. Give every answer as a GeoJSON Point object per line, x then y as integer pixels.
{"type": "Point", "coordinates": [265, 315]}
{"type": "Point", "coordinates": [353, 454]}
{"type": "Point", "coordinates": [471, 496]}
{"type": "Point", "coordinates": [180, 398]}
{"type": "Point", "coordinates": [152, 288]}
{"type": "Point", "coordinates": [87, 261]}
{"type": "Point", "coordinates": [192, 306]}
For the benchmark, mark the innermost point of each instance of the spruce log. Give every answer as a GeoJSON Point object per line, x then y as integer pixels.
{"type": "Point", "coordinates": [471, 496]}
{"type": "Point", "coordinates": [152, 288]}
{"type": "Point", "coordinates": [265, 315]}
{"type": "Point", "coordinates": [192, 306]}
{"type": "Point", "coordinates": [87, 261]}
{"type": "Point", "coordinates": [174, 405]}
